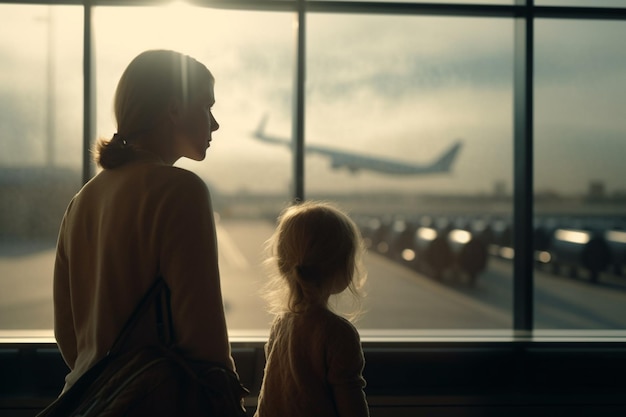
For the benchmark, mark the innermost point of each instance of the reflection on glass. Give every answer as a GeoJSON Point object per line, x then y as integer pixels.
{"type": "Point", "coordinates": [580, 181]}
{"type": "Point", "coordinates": [40, 151]}
{"type": "Point", "coordinates": [409, 122]}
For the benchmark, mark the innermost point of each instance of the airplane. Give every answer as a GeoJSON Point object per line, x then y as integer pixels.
{"type": "Point", "coordinates": [355, 162]}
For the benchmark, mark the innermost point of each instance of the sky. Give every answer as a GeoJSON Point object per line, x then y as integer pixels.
{"type": "Point", "coordinates": [403, 87]}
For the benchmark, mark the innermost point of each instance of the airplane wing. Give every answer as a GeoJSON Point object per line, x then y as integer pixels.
{"type": "Point", "coordinates": [355, 162]}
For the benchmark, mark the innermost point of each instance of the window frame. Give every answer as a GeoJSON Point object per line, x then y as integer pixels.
{"type": "Point", "coordinates": [490, 375]}
{"type": "Point", "coordinates": [524, 13]}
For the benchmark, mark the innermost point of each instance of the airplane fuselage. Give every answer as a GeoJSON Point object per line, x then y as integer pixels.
{"type": "Point", "coordinates": [355, 162]}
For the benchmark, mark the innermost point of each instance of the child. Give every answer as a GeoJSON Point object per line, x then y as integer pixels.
{"type": "Point", "coordinates": [314, 360]}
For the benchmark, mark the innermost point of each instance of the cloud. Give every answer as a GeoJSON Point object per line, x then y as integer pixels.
{"type": "Point", "coordinates": [399, 86]}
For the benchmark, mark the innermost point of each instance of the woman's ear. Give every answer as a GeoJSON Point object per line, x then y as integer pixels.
{"type": "Point", "coordinates": [175, 111]}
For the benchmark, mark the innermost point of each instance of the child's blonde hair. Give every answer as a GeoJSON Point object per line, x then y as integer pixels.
{"type": "Point", "coordinates": [315, 252]}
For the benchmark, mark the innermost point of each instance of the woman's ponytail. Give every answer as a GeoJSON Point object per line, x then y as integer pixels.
{"type": "Point", "coordinates": [114, 152]}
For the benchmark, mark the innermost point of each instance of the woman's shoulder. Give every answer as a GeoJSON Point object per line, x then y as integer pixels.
{"type": "Point", "coordinates": [177, 174]}
{"type": "Point", "coordinates": [152, 181]}
{"type": "Point", "coordinates": [149, 171]}
{"type": "Point", "coordinates": [172, 180]}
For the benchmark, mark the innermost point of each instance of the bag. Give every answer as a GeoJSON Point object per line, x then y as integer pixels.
{"type": "Point", "coordinates": [139, 379]}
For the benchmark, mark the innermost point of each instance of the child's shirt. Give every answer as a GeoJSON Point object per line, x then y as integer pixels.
{"type": "Point", "coordinates": [314, 365]}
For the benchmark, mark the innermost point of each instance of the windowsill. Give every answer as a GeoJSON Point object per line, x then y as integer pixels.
{"type": "Point", "coordinates": [382, 336]}
{"type": "Point", "coordinates": [488, 370]}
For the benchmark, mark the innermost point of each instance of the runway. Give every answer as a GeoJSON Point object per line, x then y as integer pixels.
{"type": "Point", "coordinates": [398, 299]}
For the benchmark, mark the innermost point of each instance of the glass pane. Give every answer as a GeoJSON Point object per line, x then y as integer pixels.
{"type": "Point", "coordinates": [580, 179]}
{"type": "Point", "coordinates": [40, 151]}
{"type": "Point", "coordinates": [252, 58]}
{"type": "Point", "coordinates": [389, 98]}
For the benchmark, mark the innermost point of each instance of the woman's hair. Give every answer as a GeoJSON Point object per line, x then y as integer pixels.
{"type": "Point", "coordinates": [146, 88]}
{"type": "Point", "coordinates": [315, 249]}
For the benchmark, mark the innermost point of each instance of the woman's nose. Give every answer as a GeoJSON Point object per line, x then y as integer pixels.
{"type": "Point", "coordinates": [214, 124]}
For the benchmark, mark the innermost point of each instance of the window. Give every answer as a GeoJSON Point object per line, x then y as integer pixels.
{"type": "Point", "coordinates": [40, 151]}
{"type": "Point", "coordinates": [408, 89]}
{"type": "Point", "coordinates": [580, 187]}
{"type": "Point", "coordinates": [383, 92]}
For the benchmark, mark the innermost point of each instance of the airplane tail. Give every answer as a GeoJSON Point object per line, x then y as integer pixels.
{"type": "Point", "coordinates": [444, 163]}
{"type": "Point", "coordinates": [260, 134]}
{"type": "Point", "coordinates": [260, 130]}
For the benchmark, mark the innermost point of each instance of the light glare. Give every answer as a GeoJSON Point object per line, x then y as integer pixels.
{"type": "Point", "coordinates": [616, 236]}
{"type": "Point", "coordinates": [408, 255]}
{"type": "Point", "coordinates": [427, 233]}
{"type": "Point", "coordinates": [460, 236]}
{"type": "Point", "coordinates": [573, 236]}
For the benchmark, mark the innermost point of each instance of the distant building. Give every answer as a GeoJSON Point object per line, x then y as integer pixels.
{"type": "Point", "coordinates": [596, 191]}
{"type": "Point", "coordinates": [499, 189]}
{"type": "Point", "coordinates": [34, 200]}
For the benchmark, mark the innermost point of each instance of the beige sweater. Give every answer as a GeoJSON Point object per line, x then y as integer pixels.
{"type": "Point", "coordinates": [124, 226]}
{"type": "Point", "coordinates": [314, 368]}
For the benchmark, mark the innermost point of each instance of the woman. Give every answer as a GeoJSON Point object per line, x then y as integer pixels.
{"type": "Point", "coordinates": [141, 217]}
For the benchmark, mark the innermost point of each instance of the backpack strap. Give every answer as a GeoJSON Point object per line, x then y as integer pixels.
{"type": "Point", "coordinates": [150, 323]}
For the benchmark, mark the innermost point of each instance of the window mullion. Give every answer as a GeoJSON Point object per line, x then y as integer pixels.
{"type": "Point", "coordinates": [298, 103]}
{"type": "Point", "coordinates": [523, 172]}
{"type": "Point", "coordinates": [89, 109]}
